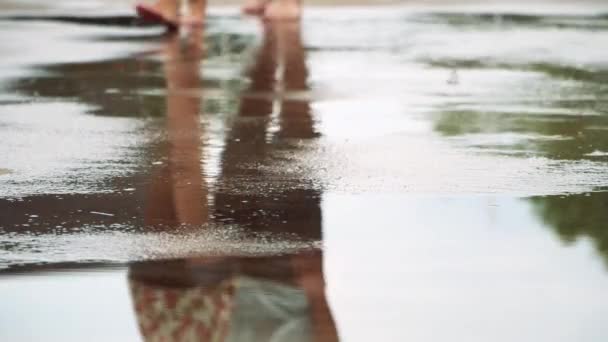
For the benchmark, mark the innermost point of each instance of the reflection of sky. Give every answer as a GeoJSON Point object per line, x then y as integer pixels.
{"type": "Point", "coordinates": [416, 268]}
{"type": "Point", "coordinates": [67, 307]}
{"type": "Point", "coordinates": [50, 140]}
{"type": "Point", "coordinates": [421, 268]}
{"type": "Point", "coordinates": [21, 49]}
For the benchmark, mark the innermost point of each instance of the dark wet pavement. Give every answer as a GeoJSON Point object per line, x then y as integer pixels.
{"type": "Point", "coordinates": [372, 174]}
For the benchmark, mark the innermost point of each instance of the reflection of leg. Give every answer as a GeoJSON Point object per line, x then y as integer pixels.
{"type": "Point", "coordinates": [159, 200]}
{"type": "Point", "coordinates": [289, 41]}
{"type": "Point", "coordinates": [185, 154]}
{"type": "Point", "coordinates": [308, 269]}
{"type": "Point", "coordinates": [247, 142]}
{"type": "Point", "coordinates": [295, 116]}
{"type": "Point", "coordinates": [183, 121]}
{"type": "Point", "coordinates": [248, 137]}
{"type": "Point", "coordinates": [262, 76]}
{"type": "Point", "coordinates": [296, 122]}
{"type": "Point", "coordinates": [254, 7]}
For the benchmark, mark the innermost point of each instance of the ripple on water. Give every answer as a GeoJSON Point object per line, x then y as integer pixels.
{"type": "Point", "coordinates": [90, 245]}
{"type": "Point", "coordinates": [597, 153]}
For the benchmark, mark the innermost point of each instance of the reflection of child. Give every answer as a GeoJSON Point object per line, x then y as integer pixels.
{"type": "Point", "coordinates": [233, 299]}
{"type": "Point", "coordinates": [168, 11]}
{"type": "Point", "coordinates": [239, 309]}
{"type": "Point", "coordinates": [181, 314]}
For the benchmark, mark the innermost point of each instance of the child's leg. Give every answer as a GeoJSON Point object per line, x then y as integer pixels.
{"type": "Point", "coordinates": [167, 8]}
{"type": "Point", "coordinates": [168, 11]}
{"type": "Point", "coordinates": [197, 9]}
{"type": "Point", "coordinates": [283, 10]}
{"type": "Point", "coordinates": [254, 7]}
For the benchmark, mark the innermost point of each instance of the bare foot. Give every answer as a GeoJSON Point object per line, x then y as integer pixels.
{"type": "Point", "coordinates": [254, 7]}
{"type": "Point", "coordinates": [167, 12]}
{"type": "Point", "coordinates": [283, 10]}
{"type": "Point", "coordinates": [163, 11]}
{"type": "Point", "coordinates": [159, 11]}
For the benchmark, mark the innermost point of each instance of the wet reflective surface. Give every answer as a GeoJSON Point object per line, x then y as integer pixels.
{"type": "Point", "coordinates": [371, 174]}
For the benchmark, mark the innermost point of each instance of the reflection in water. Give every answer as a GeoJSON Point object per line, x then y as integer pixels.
{"type": "Point", "coordinates": [178, 196]}
{"type": "Point", "coordinates": [579, 138]}
{"type": "Point", "coordinates": [473, 274]}
{"type": "Point", "coordinates": [558, 137]}
{"type": "Point", "coordinates": [233, 299]}
{"type": "Point", "coordinates": [280, 298]}
{"type": "Point", "coordinates": [564, 123]}
{"type": "Point", "coordinates": [577, 216]}
{"type": "Point", "coordinates": [252, 141]}
{"type": "Point", "coordinates": [128, 86]}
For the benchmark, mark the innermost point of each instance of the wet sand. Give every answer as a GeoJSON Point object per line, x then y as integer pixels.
{"type": "Point", "coordinates": [377, 173]}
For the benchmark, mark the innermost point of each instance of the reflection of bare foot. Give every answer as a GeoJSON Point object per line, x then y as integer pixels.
{"type": "Point", "coordinates": [254, 7]}
{"type": "Point", "coordinates": [283, 10]}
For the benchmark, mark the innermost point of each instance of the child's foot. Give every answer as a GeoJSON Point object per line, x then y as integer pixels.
{"type": "Point", "coordinates": [254, 7]}
{"type": "Point", "coordinates": [163, 12]}
{"type": "Point", "coordinates": [283, 10]}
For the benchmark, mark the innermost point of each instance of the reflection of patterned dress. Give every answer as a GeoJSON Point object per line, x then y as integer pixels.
{"type": "Point", "coordinates": [240, 309]}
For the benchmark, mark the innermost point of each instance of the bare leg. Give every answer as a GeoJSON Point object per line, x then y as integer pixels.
{"type": "Point", "coordinates": [168, 12]}
{"type": "Point", "coordinates": [254, 7]}
{"type": "Point", "coordinates": [196, 12]}
{"type": "Point", "coordinates": [283, 10]}
{"type": "Point", "coordinates": [169, 9]}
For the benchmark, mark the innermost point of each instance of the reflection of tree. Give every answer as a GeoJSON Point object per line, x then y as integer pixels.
{"type": "Point", "coordinates": [553, 136]}
{"type": "Point", "coordinates": [126, 86]}
{"type": "Point", "coordinates": [561, 117]}
{"type": "Point", "coordinates": [577, 216]}
{"type": "Point", "coordinates": [112, 87]}
{"type": "Point", "coordinates": [519, 20]}
{"type": "Point", "coordinates": [556, 126]}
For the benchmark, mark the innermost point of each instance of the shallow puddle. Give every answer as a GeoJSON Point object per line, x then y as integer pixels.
{"type": "Point", "coordinates": [388, 174]}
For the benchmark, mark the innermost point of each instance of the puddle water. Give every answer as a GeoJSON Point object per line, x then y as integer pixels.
{"type": "Point", "coordinates": [423, 168]}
